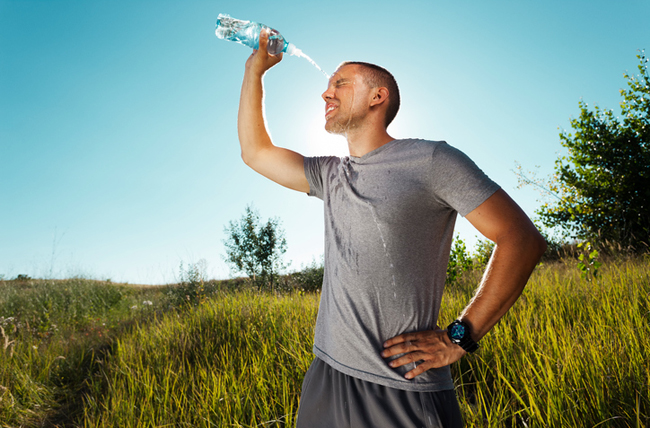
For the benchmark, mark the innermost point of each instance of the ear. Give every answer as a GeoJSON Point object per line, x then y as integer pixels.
{"type": "Point", "coordinates": [379, 96]}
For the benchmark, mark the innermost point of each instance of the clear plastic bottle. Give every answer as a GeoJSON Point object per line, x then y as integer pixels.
{"type": "Point", "coordinates": [248, 34]}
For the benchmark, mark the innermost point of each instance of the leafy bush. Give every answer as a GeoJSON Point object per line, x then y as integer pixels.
{"type": "Point", "coordinates": [483, 252]}
{"type": "Point", "coordinates": [191, 290]}
{"type": "Point", "coordinates": [459, 260]}
{"type": "Point", "coordinates": [588, 261]}
{"type": "Point", "coordinates": [310, 278]}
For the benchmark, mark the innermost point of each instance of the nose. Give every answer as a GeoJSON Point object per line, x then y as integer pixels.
{"type": "Point", "coordinates": [328, 95]}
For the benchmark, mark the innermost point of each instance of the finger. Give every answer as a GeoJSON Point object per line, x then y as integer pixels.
{"type": "Point", "coordinates": [419, 370]}
{"type": "Point", "coordinates": [393, 341]}
{"type": "Point", "coordinates": [412, 357]}
{"type": "Point", "coordinates": [264, 40]}
{"type": "Point", "coordinates": [400, 348]}
{"type": "Point", "coordinates": [401, 339]}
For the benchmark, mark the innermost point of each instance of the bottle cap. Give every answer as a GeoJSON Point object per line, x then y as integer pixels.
{"type": "Point", "coordinates": [292, 49]}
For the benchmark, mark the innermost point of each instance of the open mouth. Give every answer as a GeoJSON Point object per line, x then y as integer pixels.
{"type": "Point", "coordinates": [329, 109]}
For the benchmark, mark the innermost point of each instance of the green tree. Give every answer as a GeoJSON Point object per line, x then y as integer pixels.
{"type": "Point", "coordinates": [255, 249]}
{"type": "Point", "coordinates": [459, 260]}
{"type": "Point", "coordinates": [601, 188]}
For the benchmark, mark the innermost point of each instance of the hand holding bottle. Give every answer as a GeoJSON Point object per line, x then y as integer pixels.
{"type": "Point", "coordinates": [261, 60]}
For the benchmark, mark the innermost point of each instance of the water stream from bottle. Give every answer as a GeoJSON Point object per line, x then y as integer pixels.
{"type": "Point", "coordinates": [297, 52]}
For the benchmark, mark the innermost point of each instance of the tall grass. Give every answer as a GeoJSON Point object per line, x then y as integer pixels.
{"type": "Point", "coordinates": [235, 361]}
{"type": "Point", "coordinates": [571, 353]}
{"type": "Point", "coordinates": [52, 335]}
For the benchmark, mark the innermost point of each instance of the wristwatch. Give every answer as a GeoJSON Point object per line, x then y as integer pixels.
{"type": "Point", "coordinates": [459, 333]}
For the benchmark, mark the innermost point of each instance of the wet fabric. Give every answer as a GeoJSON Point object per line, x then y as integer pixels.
{"type": "Point", "coordinates": [331, 399]}
{"type": "Point", "coordinates": [389, 221]}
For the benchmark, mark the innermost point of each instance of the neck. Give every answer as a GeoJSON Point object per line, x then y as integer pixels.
{"type": "Point", "coordinates": [361, 142]}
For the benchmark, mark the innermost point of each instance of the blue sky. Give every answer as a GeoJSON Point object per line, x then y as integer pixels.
{"type": "Point", "coordinates": [118, 148]}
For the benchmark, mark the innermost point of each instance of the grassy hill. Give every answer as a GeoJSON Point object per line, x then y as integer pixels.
{"type": "Point", "coordinates": [573, 352]}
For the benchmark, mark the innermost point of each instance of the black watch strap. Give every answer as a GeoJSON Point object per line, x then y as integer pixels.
{"type": "Point", "coordinates": [460, 334]}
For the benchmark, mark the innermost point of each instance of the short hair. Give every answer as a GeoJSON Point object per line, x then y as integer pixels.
{"type": "Point", "coordinates": [378, 77]}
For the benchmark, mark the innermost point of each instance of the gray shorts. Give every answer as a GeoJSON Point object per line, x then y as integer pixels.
{"type": "Point", "coordinates": [331, 399]}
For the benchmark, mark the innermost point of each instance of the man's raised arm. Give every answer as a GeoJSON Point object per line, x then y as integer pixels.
{"type": "Point", "coordinates": [283, 166]}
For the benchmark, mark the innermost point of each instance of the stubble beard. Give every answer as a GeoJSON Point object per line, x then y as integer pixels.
{"type": "Point", "coordinates": [341, 126]}
{"type": "Point", "coordinates": [348, 120]}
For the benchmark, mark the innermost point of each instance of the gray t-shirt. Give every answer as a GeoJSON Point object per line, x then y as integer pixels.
{"type": "Point", "coordinates": [389, 221]}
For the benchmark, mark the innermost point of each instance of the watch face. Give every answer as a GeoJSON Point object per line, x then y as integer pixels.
{"type": "Point", "coordinates": [457, 331]}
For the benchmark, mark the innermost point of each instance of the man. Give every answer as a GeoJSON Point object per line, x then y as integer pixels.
{"type": "Point", "coordinates": [390, 208]}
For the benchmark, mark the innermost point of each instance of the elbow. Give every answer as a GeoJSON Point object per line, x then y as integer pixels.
{"type": "Point", "coordinates": [253, 156]}
{"type": "Point", "coordinates": [247, 158]}
{"type": "Point", "coordinates": [527, 242]}
{"type": "Point", "coordinates": [539, 245]}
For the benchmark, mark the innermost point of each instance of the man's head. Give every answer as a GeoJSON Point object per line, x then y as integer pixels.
{"type": "Point", "coordinates": [354, 91]}
{"type": "Point", "coordinates": [378, 77]}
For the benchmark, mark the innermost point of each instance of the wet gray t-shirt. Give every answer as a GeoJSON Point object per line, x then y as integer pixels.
{"type": "Point", "coordinates": [389, 221]}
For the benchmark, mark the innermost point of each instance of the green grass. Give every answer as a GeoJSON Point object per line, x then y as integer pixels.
{"type": "Point", "coordinates": [235, 361]}
{"type": "Point", "coordinates": [571, 353]}
{"type": "Point", "coordinates": [52, 335]}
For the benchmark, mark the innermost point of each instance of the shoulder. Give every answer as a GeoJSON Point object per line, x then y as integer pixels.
{"type": "Point", "coordinates": [436, 151]}
{"type": "Point", "coordinates": [418, 143]}
{"type": "Point", "coordinates": [439, 151]}
{"type": "Point", "coordinates": [444, 152]}
{"type": "Point", "coordinates": [409, 147]}
{"type": "Point", "coordinates": [420, 146]}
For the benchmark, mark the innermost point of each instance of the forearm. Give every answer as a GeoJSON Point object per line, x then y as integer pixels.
{"type": "Point", "coordinates": [514, 258]}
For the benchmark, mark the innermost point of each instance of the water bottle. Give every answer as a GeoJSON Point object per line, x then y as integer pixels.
{"type": "Point", "coordinates": [248, 34]}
